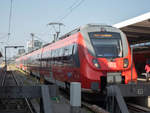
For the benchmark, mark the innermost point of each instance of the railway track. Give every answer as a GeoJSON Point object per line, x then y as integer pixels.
{"type": "Point", "coordinates": [134, 108]}
{"type": "Point", "coordinates": [2, 78]}
{"type": "Point", "coordinates": [8, 78]}
{"type": "Point", "coordinates": [95, 108]}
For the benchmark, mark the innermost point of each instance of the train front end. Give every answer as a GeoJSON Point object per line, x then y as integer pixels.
{"type": "Point", "coordinates": [106, 59]}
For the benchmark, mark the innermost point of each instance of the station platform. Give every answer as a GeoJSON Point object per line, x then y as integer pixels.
{"type": "Point", "coordinates": [59, 104]}
{"type": "Point", "coordinates": [63, 106]}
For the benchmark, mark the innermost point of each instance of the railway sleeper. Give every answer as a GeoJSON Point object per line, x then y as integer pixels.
{"type": "Point", "coordinates": [117, 95]}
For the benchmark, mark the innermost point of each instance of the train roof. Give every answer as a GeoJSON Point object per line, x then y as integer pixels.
{"type": "Point", "coordinates": [137, 29]}
{"type": "Point", "coordinates": [84, 27]}
{"type": "Point", "coordinates": [81, 28]}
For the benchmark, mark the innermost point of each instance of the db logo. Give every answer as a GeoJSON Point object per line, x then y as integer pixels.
{"type": "Point", "coordinates": [112, 64]}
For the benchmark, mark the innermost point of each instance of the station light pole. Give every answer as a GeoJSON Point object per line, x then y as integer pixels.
{"type": "Point", "coordinates": [131, 63]}
{"type": "Point", "coordinates": [6, 52]}
{"type": "Point", "coordinates": [32, 35]}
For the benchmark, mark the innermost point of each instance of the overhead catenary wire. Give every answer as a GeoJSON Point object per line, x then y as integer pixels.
{"type": "Point", "coordinates": [71, 9]}
{"type": "Point", "coordinates": [73, 4]}
{"type": "Point", "coordinates": [9, 21]}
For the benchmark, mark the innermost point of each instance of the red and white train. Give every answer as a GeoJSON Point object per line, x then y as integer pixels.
{"type": "Point", "coordinates": [95, 55]}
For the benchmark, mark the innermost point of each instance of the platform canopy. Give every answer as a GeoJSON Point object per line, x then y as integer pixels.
{"type": "Point", "coordinates": [137, 29]}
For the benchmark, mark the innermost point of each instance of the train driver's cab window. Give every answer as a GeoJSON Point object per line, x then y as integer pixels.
{"type": "Point", "coordinates": [106, 44]}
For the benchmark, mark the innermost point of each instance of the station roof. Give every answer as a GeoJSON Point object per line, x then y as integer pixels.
{"type": "Point", "coordinates": [137, 29]}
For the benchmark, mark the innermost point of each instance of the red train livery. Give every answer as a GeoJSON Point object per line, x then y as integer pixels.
{"type": "Point", "coordinates": [95, 55]}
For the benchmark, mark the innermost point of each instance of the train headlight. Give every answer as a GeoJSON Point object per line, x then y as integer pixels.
{"type": "Point", "coordinates": [96, 63]}
{"type": "Point", "coordinates": [125, 63]}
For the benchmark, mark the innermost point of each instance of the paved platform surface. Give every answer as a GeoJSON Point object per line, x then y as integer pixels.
{"type": "Point", "coordinates": [62, 106]}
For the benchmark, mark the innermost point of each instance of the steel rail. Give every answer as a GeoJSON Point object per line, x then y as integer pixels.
{"type": "Point", "coordinates": [28, 104]}
{"type": "Point", "coordinates": [137, 108]}
{"type": "Point", "coordinates": [92, 107]}
{"type": "Point", "coordinates": [4, 78]}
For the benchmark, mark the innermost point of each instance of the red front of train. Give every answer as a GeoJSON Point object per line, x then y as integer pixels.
{"type": "Point", "coordinates": [105, 57]}
{"type": "Point", "coordinates": [95, 55]}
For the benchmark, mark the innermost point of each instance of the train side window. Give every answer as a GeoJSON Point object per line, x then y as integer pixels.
{"type": "Point", "coordinates": [49, 53]}
{"type": "Point", "coordinates": [63, 51]}
{"type": "Point", "coordinates": [59, 56]}
{"type": "Point", "coordinates": [70, 49]}
{"type": "Point", "coordinates": [56, 58]}
{"type": "Point", "coordinates": [46, 54]}
{"type": "Point", "coordinates": [53, 57]}
{"type": "Point", "coordinates": [38, 56]}
{"type": "Point", "coordinates": [70, 57]}
{"type": "Point", "coordinates": [64, 55]}
{"type": "Point", "coordinates": [57, 53]}
{"type": "Point", "coordinates": [66, 59]}
{"type": "Point", "coordinates": [53, 60]}
{"type": "Point", "coordinates": [52, 54]}
{"type": "Point", "coordinates": [66, 51]}
{"type": "Point", "coordinates": [75, 55]}
{"type": "Point", "coordinates": [60, 52]}
{"type": "Point", "coordinates": [48, 63]}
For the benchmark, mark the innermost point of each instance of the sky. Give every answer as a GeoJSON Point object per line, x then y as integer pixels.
{"type": "Point", "coordinates": [32, 16]}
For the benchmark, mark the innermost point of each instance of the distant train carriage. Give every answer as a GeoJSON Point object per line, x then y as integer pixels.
{"type": "Point", "coordinates": [95, 55]}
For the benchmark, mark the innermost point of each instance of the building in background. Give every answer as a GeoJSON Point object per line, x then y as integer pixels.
{"type": "Point", "coordinates": [33, 45]}
{"type": "Point", "coordinates": [21, 52]}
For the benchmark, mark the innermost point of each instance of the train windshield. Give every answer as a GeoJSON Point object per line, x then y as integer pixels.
{"type": "Point", "coordinates": [106, 44]}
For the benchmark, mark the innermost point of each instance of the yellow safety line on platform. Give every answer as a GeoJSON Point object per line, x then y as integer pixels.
{"type": "Point", "coordinates": [14, 67]}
